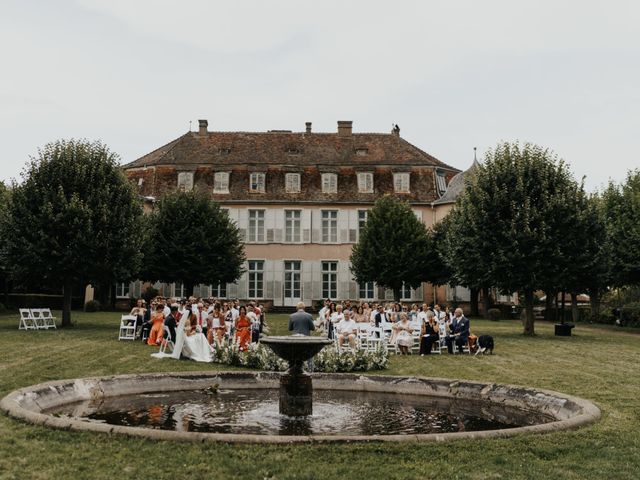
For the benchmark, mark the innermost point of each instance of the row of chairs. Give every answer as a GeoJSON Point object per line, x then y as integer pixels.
{"type": "Point", "coordinates": [36, 319]}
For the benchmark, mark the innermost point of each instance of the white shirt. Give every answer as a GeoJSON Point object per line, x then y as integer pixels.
{"type": "Point", "coordinates": [372, 317]}
{"type": "Point", "coordinates": [337, 317]}
{"type": "Point", "coordinates": [346, 326]}
{"type": "Point", "coordinates": [255, 321]}
{"type": "Point", "coordinates": [166, 311]}
{"type": "Point", "coordinates": [235, 313]}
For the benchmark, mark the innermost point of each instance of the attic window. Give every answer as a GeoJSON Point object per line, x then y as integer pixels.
{"type": "Point", "coordinates": [224, 150]}
{"type": "Point", "coordinates": [294, 150]}
{"type": "Point", "coordinates": [441, 182]}
{"type": "Point", "coordinates": [361, 152]}
{"type": "Point", "coordinates": [185, 181]}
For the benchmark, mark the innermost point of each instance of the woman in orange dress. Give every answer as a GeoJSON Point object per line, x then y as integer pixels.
{"type": "Point", "coordinates": [243, 329]}
{"type": "Point", "coordinates": [157, 330]}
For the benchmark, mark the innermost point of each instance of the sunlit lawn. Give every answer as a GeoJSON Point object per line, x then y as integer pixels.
{"type": "Point", "coordinates": [598, 363]}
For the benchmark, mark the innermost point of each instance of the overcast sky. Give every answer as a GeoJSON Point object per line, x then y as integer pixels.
{"type": "Point", "coordinates": [452, 74]}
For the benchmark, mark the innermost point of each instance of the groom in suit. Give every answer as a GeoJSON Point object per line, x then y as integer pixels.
{"type": "Point", "coordinates": [459, 331]}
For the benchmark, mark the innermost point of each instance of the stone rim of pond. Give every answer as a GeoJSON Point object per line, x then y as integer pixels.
{"type": "Point", "coordinates": [568, 412]}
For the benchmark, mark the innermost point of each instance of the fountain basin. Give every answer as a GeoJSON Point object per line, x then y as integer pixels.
{"type": "Point", "coordinates": [32, 403]}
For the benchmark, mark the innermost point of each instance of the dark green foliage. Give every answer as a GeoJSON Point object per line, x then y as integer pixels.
{"type": "Point", "coordinates": [630, 314]}
{"type": "Point", "coordinates": [393, 248]}
{"type": "Point", "coordinates": [75, 217]}
{"type": "Point", "coordinates": [621, 205]}
{"type": "Point", "coordinates": [515, 225]}
{"type": "Point", "coordinates": [92, 306]}
{"type": "Point", "coordinates": [193, 241]}
{"type": "Point", "coordinates": [494, 314]}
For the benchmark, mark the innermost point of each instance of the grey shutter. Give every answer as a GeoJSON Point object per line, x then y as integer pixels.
{"type": "Point", "coordinates": [353, 290]}
{"type": "Point", "coordinates": [268, 289]}
{"type": "Point", "coordinates": [344, 236]}
{"type": "Point", "coordinates": [307, 290]}
{"type": "Point", "coordinates": [306, 235]}
{"type": "Point", "coordinates": [315, 236]}
{"type": "Point", "coordinates": [277, 235]}
{"type": "Point", "coordinates": [352, 235]}
{"type": "Point", "coordinates": [277, 289]}
{"type": "Point", "coordinates": [343, 290]}
{"type": "Point", "coordinates": [269, 235]}
{"type": "Point", "coordinates": [243, 234]}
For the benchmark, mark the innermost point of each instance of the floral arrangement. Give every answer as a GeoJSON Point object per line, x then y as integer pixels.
{"type": "Point", "coordinates": [330, 359]}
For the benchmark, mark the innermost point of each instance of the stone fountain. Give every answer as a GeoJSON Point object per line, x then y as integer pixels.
{"type": "Point", "coordinates": [296, 389]}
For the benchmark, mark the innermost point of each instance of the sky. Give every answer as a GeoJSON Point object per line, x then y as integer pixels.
{"type": "Point", "coordinates": [453, 75]}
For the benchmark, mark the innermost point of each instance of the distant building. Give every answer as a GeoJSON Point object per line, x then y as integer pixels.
{"type": "Point", "coordinates": [299, 200]}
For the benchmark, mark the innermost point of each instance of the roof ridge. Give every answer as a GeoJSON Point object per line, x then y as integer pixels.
{"type": "Point", "coordinates": [175, 141]}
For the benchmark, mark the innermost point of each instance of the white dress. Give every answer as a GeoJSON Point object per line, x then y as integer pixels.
{"type": "Point", "coordinates": [196, 347]}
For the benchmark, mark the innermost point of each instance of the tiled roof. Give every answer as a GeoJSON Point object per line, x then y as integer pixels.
{"type": "Point", "coordinates": [288, 148]}
{"type": "Point", "coordinates": [456, 186]}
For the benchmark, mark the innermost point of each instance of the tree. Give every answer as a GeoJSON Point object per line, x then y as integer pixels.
{"type": "Point", "coordinates": [621, 208]}
{"type": "Point", "coordinates": [394, 248]}
{"type": "Point", "coordinates": [5, 196]}
{"type": "Point", "coordinates": [75, 216]}
{"type": "Point", "coordinates": [193, 241]}
{"type": "Point", "coordinates": [511, 223]}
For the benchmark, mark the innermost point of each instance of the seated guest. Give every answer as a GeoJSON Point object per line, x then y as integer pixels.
{"type": "Point", "coordinates": [336, 316]}
{"type": "Point", "coordinates": [403, 333]}
{"type": "Point", "coordinates": [429, 335]}
{"type": "Point", "coordinates": [217, 326]}
{"type": "Point", "coordinates": [255, 322]}
{"type": "Point", "coordinates": [459, 331]}
{"type": "Point", "coordinates": [243, 329]}
{"type": "Point", "coordinates": [139, 311]}
{"type": "Point", "coordinates": [171, 322]}
{"type": "Point", "coordinates": [157, 328]}
{"type": "Point", "coordinates": [347, 330]}
{"type": "Point", "coordinates": [195, 345]}
{"type": "Point", "coordinates": [359, 316]}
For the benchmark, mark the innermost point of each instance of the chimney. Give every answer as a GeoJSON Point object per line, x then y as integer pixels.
{"type": "Point", "coordinates": [308, 127]}
{"type": "Point", "coordinates": [203, 124]}
{"type": "Point", "coordinates": [344, 128]}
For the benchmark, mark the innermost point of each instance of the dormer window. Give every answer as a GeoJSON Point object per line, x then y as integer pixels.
{"type": "Point", "coordinates": [224, 150]}
{"type": "Point", "coordinates": [294, 150]}
{"type": "Point", "coordinates": [256, 182]}
{"type": "Point", "coordinates": [221, 182]}
{"type": "Point", "coordinates": [292, 182]}
{"type": "Point", "coordinates": [361, 152]}
{"type": "Point", "coordinates": [185, 181]}
{"type": "Point", "coordinates": [365, 182]}
{"type": "Point", "coordinates": [441, 183]}
{"type": "Point", "coordinates": [401, 182]}
{"type": "Point", "coordinates": [329, 183]}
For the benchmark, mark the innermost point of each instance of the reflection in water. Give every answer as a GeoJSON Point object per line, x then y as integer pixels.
{"type": "Point", "coordinates": [334, 413]}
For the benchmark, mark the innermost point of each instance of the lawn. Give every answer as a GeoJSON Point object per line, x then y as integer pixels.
{"type": "Point", "coordinates": [598, 363]}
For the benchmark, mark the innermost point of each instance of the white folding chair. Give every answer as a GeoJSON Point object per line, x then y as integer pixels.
{"type": "Point", "coordinates": [128, 327]}
{"type": "Point", "coordinates": [27, 322]}
{"type": "Point", "coordinates": [166, 340]}
{"type": "Point", "coordinates": [38, 320]}
{"type": "Point", "coordinates": [364, 331]}
{"type": "Point", "coordinates": [375, 338]}
{"type": "Point", "coordinates": [49, 321]}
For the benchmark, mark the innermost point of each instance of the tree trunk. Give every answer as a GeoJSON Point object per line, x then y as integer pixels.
{"type": "Point", "coordinates": [528, 308]}
{"type": "Point", "coordinates": [188, 288]}
{"type": "Point", "coordinates": [594, 300]}
{"type": "Point", "coordinates": [574, 307]}
{"type": "Point", "coordinates": [548, 304]}
{"type": "Point", "coordinates": [474, 302]}
{"type": "Point", "coordinates": [486, 302]}
{"type": "Point", "coordinates": [564, 294]}
{"type": "Point", "coordinates": [67, 293]}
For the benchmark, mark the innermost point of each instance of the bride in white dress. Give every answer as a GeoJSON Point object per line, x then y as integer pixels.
{"type": "Point", "coordinates": [189, 341]}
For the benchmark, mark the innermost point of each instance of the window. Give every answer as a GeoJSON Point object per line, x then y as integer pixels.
{"type": "Point", "coordinates": [179, 290]}
{"type": "Point", "coordinates": [405, 292]}
{"type": "Point", "coordinates": [256, 182]}
{"type": "Point", "coordinates": [122, 290]}
{"type": "Point", "coordinates": [185, 181]}
{"type": "Point", "coordinates": [367, 290]}
{"type": "Point", "coordinates": [292, 182]}
{"type": "Point", "coordinates": [365, 182]}
{"type": "Point", "coordinates": [401, 182]}
{"type": "Point", "coordinates": [292, 225]}
{"type": "Point", "coordinates": [256, 226]}
{"type": "Point", "coordinates": [329, 279]}
{"type": "Point", "coordinates": [256, 278]}
{"type": "Point", "coordinates": [219, 291]}
{"type": "Point", "coordinates": [329, 226]}
{"type": "Point", "coordinates": [329, 183]}
{"type": "Point", "coordinates": [361, 152]}
{"type": "Point", "coordinates": [362, 219]}
{"type": "Point", "coordinates": [441, 182]}
{"type": "Point", "coordinates": [221, 182]}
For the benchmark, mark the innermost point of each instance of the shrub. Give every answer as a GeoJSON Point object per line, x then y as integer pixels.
{"type": "Point", "coordinates": [494, 314]}
{"type": "Point", "coordinates": [630, 314]}
{"type": "Point", "coordinates": [92, 306]}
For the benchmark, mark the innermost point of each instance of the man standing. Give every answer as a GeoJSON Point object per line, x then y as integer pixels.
{"type": "Point", "coordinates": [301, 323]}
{"type": "Point", "coordinates": [459, 331]}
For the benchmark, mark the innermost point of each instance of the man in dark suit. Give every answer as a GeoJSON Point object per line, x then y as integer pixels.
{"type": "Point", "coordinates": [171, 323]}
{"type": "Point", "coordinates": [301, 323]}
{"type": "Point", "coordinates": [459, 331]}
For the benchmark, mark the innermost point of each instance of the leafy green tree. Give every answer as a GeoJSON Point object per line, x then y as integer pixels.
{"type": "Point", "coordinates": [621, 207]}
{"type": "Point", "coordinates": [394, 248]}
{"type": "Point", "coordinates": [5, 196]}
{"type": "Point", "coordinates": [193, 241]}
{"type": "Point", "coordinates": [74, 217]}
{"type": "Point", "coordinates": [510, 225]}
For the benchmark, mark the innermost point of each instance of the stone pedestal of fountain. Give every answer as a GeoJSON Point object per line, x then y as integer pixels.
{"type": "Point", "coordinates": [296, 389]}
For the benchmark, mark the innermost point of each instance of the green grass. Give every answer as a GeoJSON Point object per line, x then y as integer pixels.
{"type": "Point", "coordinates": [598, 363]}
